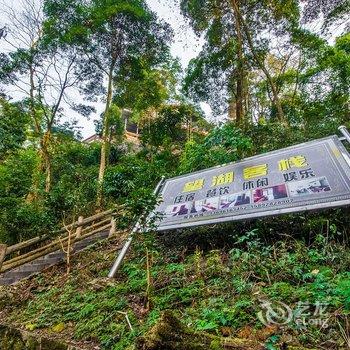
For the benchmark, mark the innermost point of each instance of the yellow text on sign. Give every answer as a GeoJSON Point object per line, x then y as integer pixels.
{"type": "Point", "coordinates": [222, 179]}
{"type": "Point", "coordinates": [193, 185]}
{"type": "Point", "coordinates": [292, 162]}
{"type": "Point", "coordinates": [255, 171]}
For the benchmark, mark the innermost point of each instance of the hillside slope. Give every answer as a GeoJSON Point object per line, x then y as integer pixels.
{"type": "Point", "coordinates": [203, 293]}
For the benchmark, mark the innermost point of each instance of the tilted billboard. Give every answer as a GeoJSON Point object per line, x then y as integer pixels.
{"type": "Point", "coordinates": [307, 176]}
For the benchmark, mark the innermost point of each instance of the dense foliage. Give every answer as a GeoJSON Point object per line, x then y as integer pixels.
{"type": "Point", "coordinates": [275, 73]}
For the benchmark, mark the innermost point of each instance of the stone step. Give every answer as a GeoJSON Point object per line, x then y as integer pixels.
{"type": "Point", "coordinates": [83, 244]}
{"type": "Point", "coordinates": [103, 234]}
{"type": "Point", "coordinates": [50, 260]}
{"type": "Point", "coordinates": [16, 274]}
{"type": "Point", "coordinates": [38, 265]}
{"type": "Point", "coordinates": [46, 262]}
{"type": "Point", "coordinates": [30, 267]}
{"type": "Point", "coordinates": [6, 281]}
{"type": "Point", "coordinates": [85, 241]}
{"type": "Point", "coordinates": [56, 254]}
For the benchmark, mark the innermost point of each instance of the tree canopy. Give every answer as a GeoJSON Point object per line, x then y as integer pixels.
{"type": "Point", "coordinates": [274, 73]}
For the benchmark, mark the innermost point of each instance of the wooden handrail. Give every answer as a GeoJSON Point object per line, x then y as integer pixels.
{"type": "Point", "coordinates": [98, 222]}
{"type": "Point", "coordinates": [103, 222]}
{"type": "Point", "coordinates": [15, 262]}
{"type": "Point", "coordinates": [39, 239]}
{"type": "Point", "coordinates": [85, 221]}
{"type": "Point", "coordinates": [56, 243]}
{"type": "Point", "coordinates": [22, 245]}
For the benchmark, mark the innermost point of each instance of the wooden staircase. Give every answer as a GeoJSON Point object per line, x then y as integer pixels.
{"type": "Point", "coordinates": [28, 258]}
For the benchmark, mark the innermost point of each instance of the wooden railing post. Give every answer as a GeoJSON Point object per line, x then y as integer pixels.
{"type": "Point", "coordinates": [80, 227]}
{"type": "Point", "coordinates": [113, 227]}
{"type": "Point", "coordinates": [3, 248]}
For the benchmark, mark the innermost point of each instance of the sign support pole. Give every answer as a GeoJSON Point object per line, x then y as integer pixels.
{"type": "Point", "coordinates": [135, 229]}
{"type": "Point", "coordinates": [345, 132]}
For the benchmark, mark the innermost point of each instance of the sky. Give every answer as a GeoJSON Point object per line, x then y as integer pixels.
{"type": "Point", "coordinates": [186, 45]}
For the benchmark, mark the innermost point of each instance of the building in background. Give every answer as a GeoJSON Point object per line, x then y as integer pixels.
{"type": "Point", "coordinates": [131, 130]}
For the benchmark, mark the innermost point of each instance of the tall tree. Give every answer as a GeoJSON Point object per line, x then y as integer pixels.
{"type": "Point", "coordinates": [238, 37]}
{"type": "Point", "coordinates": [109, 34]}
{"type": "Point", "coordinates": [218, 74]}
{"type": "Point", "coordinates": [42, 75]}
{"type": "Point", "coordinates": [322, 85]}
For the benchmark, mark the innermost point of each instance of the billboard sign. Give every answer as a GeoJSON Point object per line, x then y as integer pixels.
{"type": "Point", "coordinates": [307, 176]}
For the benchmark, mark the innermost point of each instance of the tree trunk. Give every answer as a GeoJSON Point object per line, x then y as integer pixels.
{"type": "Point", "coordinates": [105, 138]}
{"type": "Point", "coordinates": [240, 67]}
{"type": "Point", "coordinates": [232, 109]}
{"type": "Point", "coordinates": [32, 99]}
{"type": "Point", "coordinates": [260, 63]}
{"type": "Point", "coordinates": [46, 160]}
{"type": "Point", "coordinates": [33, 194]}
